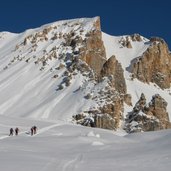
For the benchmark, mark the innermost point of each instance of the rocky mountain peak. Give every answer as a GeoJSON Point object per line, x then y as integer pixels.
{"type": "Point", "coordinates": [71, 68]}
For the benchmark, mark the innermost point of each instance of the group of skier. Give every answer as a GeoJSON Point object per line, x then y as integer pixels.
{"type": "Point", "coordinates": [12, 131]}
{"type": "Point", "coordinates": [33, 131]}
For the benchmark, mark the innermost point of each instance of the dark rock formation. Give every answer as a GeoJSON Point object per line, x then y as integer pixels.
{"type": "Point", "coordinates": [127, 99]}
{"type": "Point", "coordinates": [154, 65]}
{"type": "Point", "coordinates": [114, 110]}
{"type": "Point", "coordinates": [149, 117]}
{"type": "Point", "coordinates": [93, 51]}
{"type": "Point", "coordinates": [105, 121]}
{"type": "Point", "coordinates": [113, 69]}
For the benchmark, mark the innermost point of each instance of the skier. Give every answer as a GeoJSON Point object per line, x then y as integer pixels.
{"type": "Point", "coordinates": [11, 132]}
{"type": "Point", "coordinates": [34, 129]}
{"type": "Point", "coordinates": [16, 131]}
{"type": "Point", "coordinates": [31, 131]}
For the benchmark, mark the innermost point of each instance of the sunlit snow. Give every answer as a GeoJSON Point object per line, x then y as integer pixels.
{"type": "Point", "coordinates": [28, 97]}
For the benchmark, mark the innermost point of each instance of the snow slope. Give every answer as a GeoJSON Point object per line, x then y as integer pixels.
{"type": "Point", "coordinates": [26, 90]}
{"type": "Point", "coordinates": [65, 147]}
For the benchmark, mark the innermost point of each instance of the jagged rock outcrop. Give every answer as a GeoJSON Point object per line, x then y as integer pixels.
{"type": "Point", "coordinates": [154, 65]}
{"type": "Point", "coordinates": [126, 40]}
{"type": "Point", "coordinates": [149, 117]}
{"type": "Point", "coordinates": [93, 51]}
{"type": "Point", "coordinates": [128, 99]}
{"type": "Point", "coordinates": [136, 37]}
{"type": "Point", "coordinates": [113, 70]}
{"type": "Point", "coordinates": [109, 115]}
{"type": "Point", "coordinates": [157, 108]}
{"type": "Point", "coordinates": [105, 121]}
{"type": "Point", "coordinates": [113, 114]}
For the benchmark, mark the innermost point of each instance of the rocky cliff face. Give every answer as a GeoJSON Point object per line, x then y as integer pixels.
{"type": "Point", "coordinates": [93, 51]}
{"type": "Point", "coordinates": [154, 65]}
{"type": "Point", "coordinates": [109, 114]}
{"type": "Point", "coordinates": [113, 70]}
{"type": "Point", "coordinates": [148, 117]}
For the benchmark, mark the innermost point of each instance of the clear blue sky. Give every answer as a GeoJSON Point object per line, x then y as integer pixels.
{"type": "Point", "coordinates": [118, 17]}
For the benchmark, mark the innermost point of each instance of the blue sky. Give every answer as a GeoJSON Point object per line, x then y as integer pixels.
{"type": "Point", "coordinates": [118, 17]}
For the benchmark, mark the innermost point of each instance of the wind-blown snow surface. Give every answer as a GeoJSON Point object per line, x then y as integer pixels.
{"type": "Point", "coordinates": [65, 147]}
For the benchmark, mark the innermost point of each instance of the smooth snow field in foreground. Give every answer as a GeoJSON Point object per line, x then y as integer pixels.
{"type": "Point", "coordinates": [61, 146]}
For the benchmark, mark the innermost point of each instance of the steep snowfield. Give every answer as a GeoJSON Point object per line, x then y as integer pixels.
{"type": "Point", "coordinates": [25, 89]}
{"type": "Point", "coordinates": [64, 147]}
{"type": "Point", "coordinates": [125, 56]}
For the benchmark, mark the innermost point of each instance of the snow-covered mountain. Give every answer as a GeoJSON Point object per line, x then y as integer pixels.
{"type": "Point", "coordinates": [70, 68]}
{"type": "Point", "coordinates": [71, 72]}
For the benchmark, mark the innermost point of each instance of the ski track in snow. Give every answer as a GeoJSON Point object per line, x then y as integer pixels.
{"type": "Point", "coordinates": [40, 131]}
{"type": "Point", "coordinates": [72, 164]}
{"type": "Point", "coordinates": [51, 164]}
